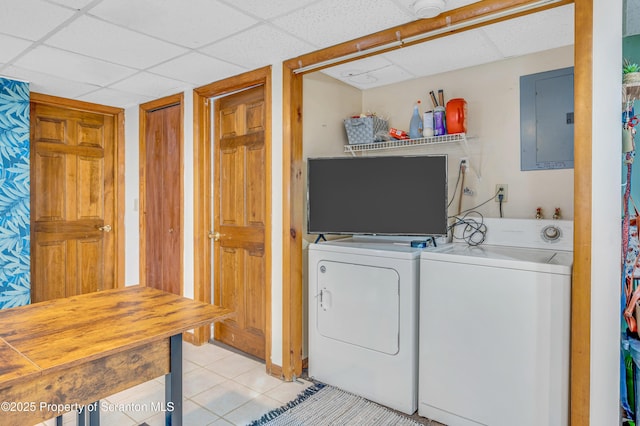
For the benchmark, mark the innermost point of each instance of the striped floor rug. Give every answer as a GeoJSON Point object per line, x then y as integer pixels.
{"type": "Point", "coordinates": [324, 405]}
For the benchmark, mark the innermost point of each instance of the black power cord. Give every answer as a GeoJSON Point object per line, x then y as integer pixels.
{"type": "Point", "coordinates": [474, 230]}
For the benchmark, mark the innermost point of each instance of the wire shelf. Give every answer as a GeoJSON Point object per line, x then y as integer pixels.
{"type": "Point", "coordinates": [407, 143]}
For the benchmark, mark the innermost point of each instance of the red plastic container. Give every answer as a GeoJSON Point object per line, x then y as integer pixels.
{"type": "Point", "coordinates": [456, 113]}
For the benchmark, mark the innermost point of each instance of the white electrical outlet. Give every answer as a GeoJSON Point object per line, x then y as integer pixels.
{"type": "Point", "coordinates": [502, 188]}
{"type": "Point", "coordinates": [464, 160]}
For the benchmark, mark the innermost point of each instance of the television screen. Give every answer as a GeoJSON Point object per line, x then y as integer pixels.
{"type": "Point", "coordinates": [397, 195]}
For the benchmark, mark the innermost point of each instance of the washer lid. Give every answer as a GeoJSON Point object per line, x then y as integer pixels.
{"type": "Point", "coordinates": [537, 260]}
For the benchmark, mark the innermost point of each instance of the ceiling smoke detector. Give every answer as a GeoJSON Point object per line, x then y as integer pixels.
{"type": "Point", "coordinates": [428, 8]}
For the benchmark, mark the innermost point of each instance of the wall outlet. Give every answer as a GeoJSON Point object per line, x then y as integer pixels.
{"type": "Point", "coordinates": [465, 161]}
{"type": "Point", "coordinates": [502, 188]}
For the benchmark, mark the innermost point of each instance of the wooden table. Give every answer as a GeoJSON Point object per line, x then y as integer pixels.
{"type": "Point", "coordinates": [63, 354]}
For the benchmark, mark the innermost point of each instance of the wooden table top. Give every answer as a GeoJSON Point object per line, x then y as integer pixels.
{"type": "Point", "coordinates": [13, 365]}
{"type": "Point", "coordinates": [59, 333]}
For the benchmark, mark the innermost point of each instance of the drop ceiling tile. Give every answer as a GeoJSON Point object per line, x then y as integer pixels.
{"type": "Point", "coordinates": [148, 84]}
{"type": "Point", "coordinates": [10, 47]}
{"type": "Point", "coordinates": [455, 4]}
{"type": "Point", "coordinates": [74, 4]}
{"type": "Point", "coordinates": [449, 4]}
{"type": "Point", "coordinates": [197, 69]}
{"type": "Point", "coordinates": [545, 30]}
{"type": "Point", "coordinates": [73, 66]}
{"type": "Point", "coordinates": [330, 22]}
{"type": "Point", "coordinates": [49, 84]}
{"type": "Point", "coordinates": [102, 40]}
{"type": "Point", "coordinates": [370, 72]}
{"type": "Point", "coordinates": [269, 9]}
{"type": "Point", "coordinates": [31, 19]}
{"type": "Point", "coordinates": [382, 77]}
{"type": "Point", "coordinates": [456, 51]}
{"type": "Point", "coordinates": [258, 46]}
{"type": "Point", "coordinates": [192, 23]}
{"type": "Point", "coordinates": [114, 98]}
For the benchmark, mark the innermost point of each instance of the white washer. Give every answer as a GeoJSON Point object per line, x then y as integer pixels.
{"type": "Point", "coordinates": [494, 327]}
{"type": "Point", "coordinates": [363, 319]}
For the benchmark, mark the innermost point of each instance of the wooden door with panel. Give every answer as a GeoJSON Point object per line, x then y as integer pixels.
{"type": "Point", "coordinates": [239, 219]}
{"type": "Point", "coordinates": [73, 199]}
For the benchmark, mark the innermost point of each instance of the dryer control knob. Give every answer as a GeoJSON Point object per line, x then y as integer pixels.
{"type": "Point", "coordinates": [551, 233]}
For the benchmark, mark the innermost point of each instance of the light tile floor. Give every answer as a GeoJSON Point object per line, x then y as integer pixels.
{"type": "Point", "coordinates": [220, 387]}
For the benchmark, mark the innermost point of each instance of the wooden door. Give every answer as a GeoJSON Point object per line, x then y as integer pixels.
{"type": "Point", "coordinates": [162, 199]}
{"type": "Point", "coordinates": [73, 199]}
{"type": "Point", "coordinates": [239, 219]}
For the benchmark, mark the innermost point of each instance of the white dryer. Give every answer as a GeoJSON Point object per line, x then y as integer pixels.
{"type": "Point", "coordinates": [363, 318]}
{"type": "Point", "coordinates": [494, 327]}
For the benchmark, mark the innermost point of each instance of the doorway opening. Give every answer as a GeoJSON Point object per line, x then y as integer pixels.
{"type": "Point", "coordinates": [232, 218]}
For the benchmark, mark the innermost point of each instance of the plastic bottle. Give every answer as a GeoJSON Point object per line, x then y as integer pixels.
{"type": "Point", "coordinates": [427, 132]}
{"type": "Point", "coordinates": [415, 125]}
{"type": "Point", "coordinates": [439, 123]}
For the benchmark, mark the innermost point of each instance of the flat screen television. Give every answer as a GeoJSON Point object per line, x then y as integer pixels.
{"type": "Point", "coordinates": [395, 195]}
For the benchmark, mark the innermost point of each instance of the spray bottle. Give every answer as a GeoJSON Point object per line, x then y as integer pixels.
{"type": "Point", "coordinates": [415, 125]}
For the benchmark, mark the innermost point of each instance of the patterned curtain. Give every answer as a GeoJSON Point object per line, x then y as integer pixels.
{"type": "Point", "coordinates": [15, 278]}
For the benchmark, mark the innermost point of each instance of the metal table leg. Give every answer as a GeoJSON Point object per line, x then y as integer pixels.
{"type": "Point", "coordinates": [173, 384]}
{"type": "Point", "coordinates": [82, 418]}
{"type": "Point", "coordinates": [94, 414]}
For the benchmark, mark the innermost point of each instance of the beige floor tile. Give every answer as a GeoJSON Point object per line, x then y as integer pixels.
{"type": "Point", "coordinates": [258, 379]}
{"type": "Point", "coordinates": [252, 410]}
{"type": "Point", "coordinates": [221, 422]}
{"type": "Point", "coordinates": [192, 415]}
{"type": "Point", "coordinates": [225, 397]}
{"type": "Point", "coordinates": [205, 354]}
{"type": "Point", "coordinates": [287, 391]}
{"type": "Point", "coordinates": [200, 380]}
{"type": "Point", "coordinates": [233, 365]}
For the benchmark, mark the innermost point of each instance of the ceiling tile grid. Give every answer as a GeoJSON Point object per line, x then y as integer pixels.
{"type": "Point", "coordinates": [197, 69]}
{"type": "Point", "coordinates": [258, 46]}
{"type": "Point", "coordinates": [95, 38]}
{"type": "Point", "coordinates": [124, 52]}
{"type": "Point", "coordinates": [31, 19]}
{"type": "Point", "coordinates": [329, 22]}
{"type": "Point", "coordinates": [11, 47]}
{"type": "Point", "coordinates": [192, 23]}
{"type": "Point", "coordinates": [50, 84]}
{"type": "Point", "coordinates": [267, 10]}
{"type": "Point", "coordinates": [63, 64]}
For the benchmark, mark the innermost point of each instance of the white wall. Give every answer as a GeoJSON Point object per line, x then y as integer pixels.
{"type": "Point", "coordinates": [605, 213]}
{"type": "Point", "coordinates": [327, 102]}
{"type": "Point", "coordinates": [132, 196]}
{"type": "Point", "coordinates": [492, 92]}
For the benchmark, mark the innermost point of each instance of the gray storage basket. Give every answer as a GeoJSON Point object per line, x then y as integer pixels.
{"type": "Point", "coordinates": [364, 129]}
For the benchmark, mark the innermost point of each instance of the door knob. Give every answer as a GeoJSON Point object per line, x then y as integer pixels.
{"type": "Point", "coordinates": [105, 228]}
{"type": "Point", "coordinates": [215, 236]}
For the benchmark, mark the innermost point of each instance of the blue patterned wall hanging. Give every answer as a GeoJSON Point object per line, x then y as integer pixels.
{"type": "Point", "coordinates": [15, 278]}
